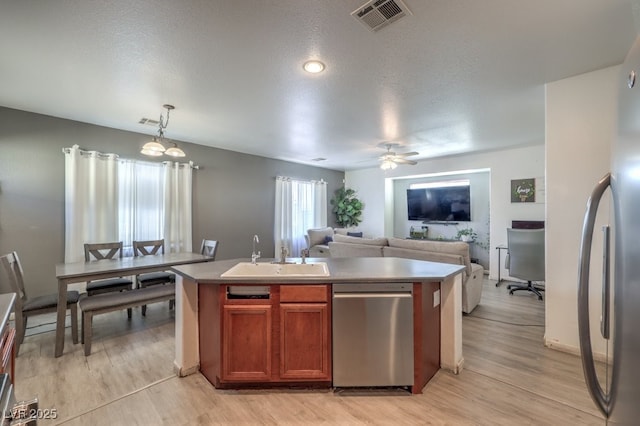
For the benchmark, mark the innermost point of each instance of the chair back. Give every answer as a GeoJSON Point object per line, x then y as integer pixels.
{"type": "Point", "coordinates": [145, 248]}
{"type": "Point", "coordinates": [526, 254]}
{"type": "Point", "coordinates": [13, 269]}
{"type": "Point", "coordinates": [101, 251]}
{"type": "Point", "coordinates": [209, 248]}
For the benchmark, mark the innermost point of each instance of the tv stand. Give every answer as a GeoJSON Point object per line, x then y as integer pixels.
{"type": "Point", "coordinates": [438, 222]}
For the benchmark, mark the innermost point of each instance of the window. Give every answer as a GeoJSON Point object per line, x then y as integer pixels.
{"type": "Point", "coordinates": [300, 205]}
{"type": "Point", "coordinates": [109, 199]}
{"type": "Point", "coordinates": [140, 202]}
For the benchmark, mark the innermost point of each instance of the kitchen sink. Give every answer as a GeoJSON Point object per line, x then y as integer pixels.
{"type": "Point", "coordinates": [248, 269]}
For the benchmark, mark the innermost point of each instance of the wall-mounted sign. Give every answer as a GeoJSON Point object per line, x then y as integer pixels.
{"type": "Point", "coordinates": [523, 190]}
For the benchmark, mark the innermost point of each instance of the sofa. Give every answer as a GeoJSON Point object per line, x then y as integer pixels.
{"type": "Point", "coordinates": [318, 239]}
{"type": "Point", "coordinates": [455, 252]}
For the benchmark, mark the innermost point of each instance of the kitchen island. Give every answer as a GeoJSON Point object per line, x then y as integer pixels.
{"type": "Point", "coordinates": [285, 339]}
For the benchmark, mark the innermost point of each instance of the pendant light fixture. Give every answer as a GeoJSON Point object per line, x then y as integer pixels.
{"type": "Point", "coordinates": [155, 148]}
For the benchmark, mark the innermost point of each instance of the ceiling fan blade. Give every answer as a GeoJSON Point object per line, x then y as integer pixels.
{"type": "Point", "coordinates": [407, 154]}
{"type": "Point", "coordinates": [403, 161]}
{"type": "Point", "coordinates": [387, 156]}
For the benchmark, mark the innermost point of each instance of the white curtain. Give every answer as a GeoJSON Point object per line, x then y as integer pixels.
{"type": "Point", "coordinates": [107, 199]}
{"type": "Point", "coordinates": [140, 202]}
{"type": "Point", "coordinates": [177, 206]}
{"type": "Point", "coordinates": [283, 230]}
{"type": "Point", "coordinates": [299, 205]}
{"type": "Point", "coordinates": [91, 194]}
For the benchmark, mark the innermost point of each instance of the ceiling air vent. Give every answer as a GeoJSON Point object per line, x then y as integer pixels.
{"type": "Point", "coordinates": [376, 14]}
{"type": "Point", "coordinates": [148, 121]}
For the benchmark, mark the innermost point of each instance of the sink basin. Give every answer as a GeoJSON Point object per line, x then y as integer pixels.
{"type": "Point", "coordinates": [248, 269]}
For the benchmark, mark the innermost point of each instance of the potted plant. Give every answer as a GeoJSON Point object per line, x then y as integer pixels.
{"type": "Point", "coordinates": [347, 207]}
{"type": "Point", "coordinates": [466, 234]}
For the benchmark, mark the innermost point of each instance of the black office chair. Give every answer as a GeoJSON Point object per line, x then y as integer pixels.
{"type": "Point", "coordinates": [525, 259]}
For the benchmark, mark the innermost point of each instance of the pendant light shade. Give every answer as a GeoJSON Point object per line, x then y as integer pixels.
{"type": "Point", "coordinates": [174, 151]}
{"type": "Point", "coordinates": [155, 148]}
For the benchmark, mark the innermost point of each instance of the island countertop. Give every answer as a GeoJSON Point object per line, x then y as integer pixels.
{"type": "Point", "coordinates": [344, 270]}
{"type": "Point", "coordinates": [341, 270]}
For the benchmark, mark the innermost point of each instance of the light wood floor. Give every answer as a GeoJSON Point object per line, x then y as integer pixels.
{"type": "Point", "coordinates": [509, 378]}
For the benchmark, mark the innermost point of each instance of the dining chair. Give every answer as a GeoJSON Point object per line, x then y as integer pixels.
{"type": "Point", "coordinates": [209, 248]}
{"type": "Point", "coordinates": [151, 248]}
{"type": "Point", "coordinates": [26, 306]}
{"type": "Point", "coordinates": [100, 252]}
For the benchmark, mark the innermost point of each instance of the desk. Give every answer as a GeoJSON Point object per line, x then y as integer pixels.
{"type": "Point", "coordinates": [500, 248]}
{"type": "Point", "coordinates": [68, 273]}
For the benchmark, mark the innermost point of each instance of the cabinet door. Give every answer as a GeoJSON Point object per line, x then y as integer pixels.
{"type": "Point", "coordinates": [246, 343]}
{"type": "Point", "coordinates": [305, 342]}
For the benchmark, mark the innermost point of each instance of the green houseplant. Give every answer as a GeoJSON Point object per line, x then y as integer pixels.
{"type": "Point", "coordinates": [347, 207]}
{"type": "Point", "coordinates": [466, 234]}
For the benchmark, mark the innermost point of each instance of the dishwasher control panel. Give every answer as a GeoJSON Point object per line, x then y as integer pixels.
{"type": "Point", "coordinates": [372, 287]}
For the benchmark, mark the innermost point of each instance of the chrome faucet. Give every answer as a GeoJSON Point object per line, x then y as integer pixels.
{"type": "Point", "coordinates": [283, 254]}
{"type": "Point", "coordinates": [255, 256]}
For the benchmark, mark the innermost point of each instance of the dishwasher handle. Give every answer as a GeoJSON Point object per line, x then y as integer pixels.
{"type": "Point", "coordinates": [361, 295]}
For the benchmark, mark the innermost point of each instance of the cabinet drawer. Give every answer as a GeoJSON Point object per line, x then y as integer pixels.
{"type": "Point", "coordinates": [304, 293]}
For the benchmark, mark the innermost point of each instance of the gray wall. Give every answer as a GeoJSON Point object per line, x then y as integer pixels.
{"type": "Point", "coordinates": [233, 195]}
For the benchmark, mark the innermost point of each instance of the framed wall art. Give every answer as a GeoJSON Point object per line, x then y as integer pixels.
{"type": "Point", "coordinates": [523, 190]}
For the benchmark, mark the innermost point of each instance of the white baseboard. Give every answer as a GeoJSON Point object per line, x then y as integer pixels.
{"type": "Point", "coordinates": [183, 372]}
{"type": "Point", "coordinates": [574, 350]}
{"type": "Point", "coordinates": [455, 369]}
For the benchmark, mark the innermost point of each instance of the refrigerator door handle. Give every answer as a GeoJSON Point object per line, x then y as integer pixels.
{"type": "Point", "coordinates": [601, 399]}
{"type": "Point", "coordinates": [606, 281]}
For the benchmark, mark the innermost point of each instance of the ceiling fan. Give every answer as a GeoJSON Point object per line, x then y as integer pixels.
{"type": "Point", "coordinates": [390, 160]}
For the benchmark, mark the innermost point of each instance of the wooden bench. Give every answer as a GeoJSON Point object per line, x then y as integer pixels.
{"type": "Point", "coordinates": [109, 302]}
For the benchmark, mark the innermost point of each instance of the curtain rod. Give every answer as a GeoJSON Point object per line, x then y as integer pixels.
{"type": "Point", "coordinates": [322, 181]}
{"type": "Point", "coordinates": [87, 152]}
{"type": "Point", "coordinates": [116, 156]}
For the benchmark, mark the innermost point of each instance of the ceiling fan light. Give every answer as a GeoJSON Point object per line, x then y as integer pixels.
{"type": "Point", "coordinates": [388, 165]}
{"type": "Point", "coordinates": [174, 151]}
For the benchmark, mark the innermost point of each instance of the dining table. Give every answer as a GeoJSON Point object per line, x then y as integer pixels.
{"type": "Point", "coordinates": [78, 272]}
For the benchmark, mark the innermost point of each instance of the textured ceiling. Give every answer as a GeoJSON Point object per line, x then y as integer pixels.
{"type": "Point", "coordinates": [456, 76]}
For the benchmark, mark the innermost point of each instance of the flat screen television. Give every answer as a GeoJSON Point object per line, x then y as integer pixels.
{"type": "Point", "coordinates": [441, 204]}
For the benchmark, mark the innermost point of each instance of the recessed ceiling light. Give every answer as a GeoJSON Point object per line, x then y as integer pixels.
{"type": "Point", "coordinates": [313, 66]}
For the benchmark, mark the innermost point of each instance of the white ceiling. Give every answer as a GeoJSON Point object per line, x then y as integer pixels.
{"type": "Point", "coordinates": [456, 76]}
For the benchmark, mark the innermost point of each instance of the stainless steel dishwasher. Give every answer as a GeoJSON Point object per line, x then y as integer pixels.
{"type": "Point", "coordinates": [372, 334]}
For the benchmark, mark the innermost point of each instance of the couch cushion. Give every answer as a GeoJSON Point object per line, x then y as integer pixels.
{"type": "Point", "coordinates": [449, 247]}
{"type": "Point", "coordinates": [432, 256]}
{"type": "Point", "coordinates": [317, 236]}
{"type": "Point", "coordinates": [338, 249]}
{"type": "Point", "coordinates": [359, 240]}
{"type": "Point", "coordinates": [319, 250]}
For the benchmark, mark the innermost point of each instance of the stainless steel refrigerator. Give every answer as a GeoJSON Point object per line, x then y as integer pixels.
{"type": "Point", "coordinates": [617, 392]}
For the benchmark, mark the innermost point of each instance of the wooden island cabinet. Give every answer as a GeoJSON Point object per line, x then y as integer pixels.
{"type": "Point", "coordinates": [281, 338]}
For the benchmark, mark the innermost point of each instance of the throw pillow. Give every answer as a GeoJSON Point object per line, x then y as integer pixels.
{"type": "Point", "coordinates": [328, 239]}
{"type": "Point", "coordinates": [354, 234]}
